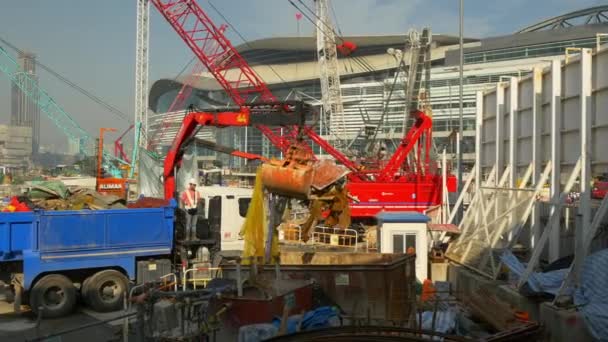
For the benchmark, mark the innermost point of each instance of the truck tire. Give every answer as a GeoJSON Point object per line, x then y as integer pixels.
{"type": "Point", "coordinates": [55, 293]}
{"type": "Point", "coordinates": [104, 291]}
{"type": "Point", "coordinates": [84, 284]}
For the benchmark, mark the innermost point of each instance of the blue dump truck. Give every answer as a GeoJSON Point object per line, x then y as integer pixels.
{"type": "Point", "coordinates": [50, 258]}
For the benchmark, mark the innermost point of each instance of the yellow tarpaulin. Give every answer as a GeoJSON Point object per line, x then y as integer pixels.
{"type": "Point", "coordinates": [255, 227]}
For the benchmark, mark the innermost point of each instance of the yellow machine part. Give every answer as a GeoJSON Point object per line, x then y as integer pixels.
{"type": "Point", "coordinates": [255, 227]}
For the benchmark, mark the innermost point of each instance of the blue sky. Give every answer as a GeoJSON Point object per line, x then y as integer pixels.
{"type": "Point", "coordinates": [93, 42]}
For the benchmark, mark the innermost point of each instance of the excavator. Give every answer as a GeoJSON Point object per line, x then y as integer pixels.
{"type": "Point", "coordinates": [298, 175]}
{"type": "Point", "coordinates": [295, 176]}
{"type": "Point", "coordinates": [323, 184]}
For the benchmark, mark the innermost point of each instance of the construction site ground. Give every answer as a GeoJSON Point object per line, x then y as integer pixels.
{"type": "Point", "coordinates": [22, 327]}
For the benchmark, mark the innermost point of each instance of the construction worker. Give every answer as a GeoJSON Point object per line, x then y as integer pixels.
{"type": "Point", "coordinates": [190, 199]}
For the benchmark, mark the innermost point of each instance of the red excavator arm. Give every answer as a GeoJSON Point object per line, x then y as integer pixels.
{"type": "Point", "coordinates": [191, 121]}
{"type": "Point", "coordinates": [274, 114]}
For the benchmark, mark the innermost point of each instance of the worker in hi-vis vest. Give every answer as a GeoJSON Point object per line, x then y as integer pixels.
{"type": "Point", "coordinates": [190, 199]}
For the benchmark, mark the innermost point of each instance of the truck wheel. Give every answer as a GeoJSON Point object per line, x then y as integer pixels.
{"type": "Point", "coordinates": [104, 291]}
{"type": "Point", "coordinates": [55, 293]}
{"type": "Point", "coordinates": [84, 285]}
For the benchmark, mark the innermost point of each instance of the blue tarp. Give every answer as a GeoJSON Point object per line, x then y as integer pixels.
{"type": "Point", "coordinates": [548, 282]}
{"type": "Point", "coordinates": [445, 321]}
{"type": "Point", "coordinates": [322, 317]}
{"type": "Point", "coordinates": [591, 295]}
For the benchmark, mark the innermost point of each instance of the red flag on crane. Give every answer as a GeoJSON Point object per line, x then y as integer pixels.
{"type": "Point", "coordinates": [298, 16]}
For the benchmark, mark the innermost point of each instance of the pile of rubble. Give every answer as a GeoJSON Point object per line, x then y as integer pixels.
{"type": "Point", "coordinates": [56, 196]}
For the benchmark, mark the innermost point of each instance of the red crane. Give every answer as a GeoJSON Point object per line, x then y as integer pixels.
{"type": "Point", "coordinates": [183, 94]}
{"type": "Point", "coordinates": [215, 51]}
{"type": "Point", "coordinates": [394, 187]}
{"type": "Point", "coordinates": [119, 150]}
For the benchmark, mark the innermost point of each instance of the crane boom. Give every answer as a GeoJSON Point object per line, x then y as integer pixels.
{"type": "Point", "coordinates": [327, 56]}
{"type": "Point", "coordinates": [215, 51]}
{"type": "Point", "coordinates": [47, 104]}
{"type": "Point", "coordinates": [179, 101]}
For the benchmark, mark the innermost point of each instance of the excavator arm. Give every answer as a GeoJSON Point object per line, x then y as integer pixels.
{"type": "Point", "coordinates": [274, 114]}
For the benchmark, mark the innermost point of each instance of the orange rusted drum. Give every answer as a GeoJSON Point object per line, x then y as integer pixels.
{"type": "Point", "coordinates": [292, 181]}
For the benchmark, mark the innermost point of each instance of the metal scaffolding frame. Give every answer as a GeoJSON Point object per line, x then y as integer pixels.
{"type": "Point", "coordinates": [525, 118]}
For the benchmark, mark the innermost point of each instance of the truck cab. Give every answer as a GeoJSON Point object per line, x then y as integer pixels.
{"type": "Point", "coordinates": [225, 209]}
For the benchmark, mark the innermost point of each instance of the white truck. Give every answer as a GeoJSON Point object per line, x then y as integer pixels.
{"type": "Point", "coordinates": [225, 209]}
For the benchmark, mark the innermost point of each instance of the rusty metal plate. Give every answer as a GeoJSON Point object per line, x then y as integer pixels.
{"type": "Point", "coordinates": [327, 172]}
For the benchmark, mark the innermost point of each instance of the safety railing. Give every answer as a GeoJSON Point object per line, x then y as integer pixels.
{"type": "Point", "coordinates": [201, 275]}
{"type": "Point", "coordinates": [164, 283]}
{"type": "Point", "coordinates": [167, 276]}
{"type": "Point", "coordinates": [335, 237]}
{"type": "Point", "coordinates": [291, 233]}
{"type": "Point", "coordinates": [371, 241]}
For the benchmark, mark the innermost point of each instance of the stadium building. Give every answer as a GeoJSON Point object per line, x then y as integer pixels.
{"type": "Point", "coordinates": [289, 66]}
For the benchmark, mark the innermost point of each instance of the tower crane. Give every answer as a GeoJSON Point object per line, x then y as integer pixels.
{"type": "Point", "coordinates": [58, 115]}
{"type": "Point", "coordinates": [327, 56]}
{"type": "Point", "coordinates": [47, 104]}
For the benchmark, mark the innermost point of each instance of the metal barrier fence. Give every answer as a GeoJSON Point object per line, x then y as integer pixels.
{"type": "Point", "coordinates": [200, 275]}
{"type": "Point", "coordinates": [322, 235]}
{"type": "Point", "coordinates": [335, 237]}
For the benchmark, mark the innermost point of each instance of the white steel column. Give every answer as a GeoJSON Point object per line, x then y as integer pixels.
{"type": "Point", "coordinates": [478, 145]}
{"type": "Point", "coordinates": [586, 107]}
{"type": "Point", "coordinates": [556, 157]}
{"type": "Point", "coordinates": [513, 142]}
{"type": "Point", "coordinates": [513, 106]}
{"type": "Point", "coordinates": [558, 202]}
{"type": "Point", "coordinates": [537, 110]}
{"type": "Point", "coordinates": [500, 106]}
{"type": "Point", "coordinates": [478, 150]}
{"type": "Point", "coordinates": [141, 68]}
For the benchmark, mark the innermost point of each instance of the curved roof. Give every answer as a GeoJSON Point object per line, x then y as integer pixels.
{"type": "Point", "coordinates": [309, 42]}
{"type": "Point", "coordinates": [282, 50]}
{"type": "Point", "coordinates": [592, 15]}
{"type": "Point", "coordinates": [164, 85]}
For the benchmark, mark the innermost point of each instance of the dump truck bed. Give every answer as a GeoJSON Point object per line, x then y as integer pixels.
{"type": "Point", "coordinates": [66, 240]}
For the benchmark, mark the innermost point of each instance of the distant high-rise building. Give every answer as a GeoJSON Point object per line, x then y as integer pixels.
{"type": "Point", "coordinates": [73, 147]}
{"type": "Point", "coordinates": [24, 109]}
